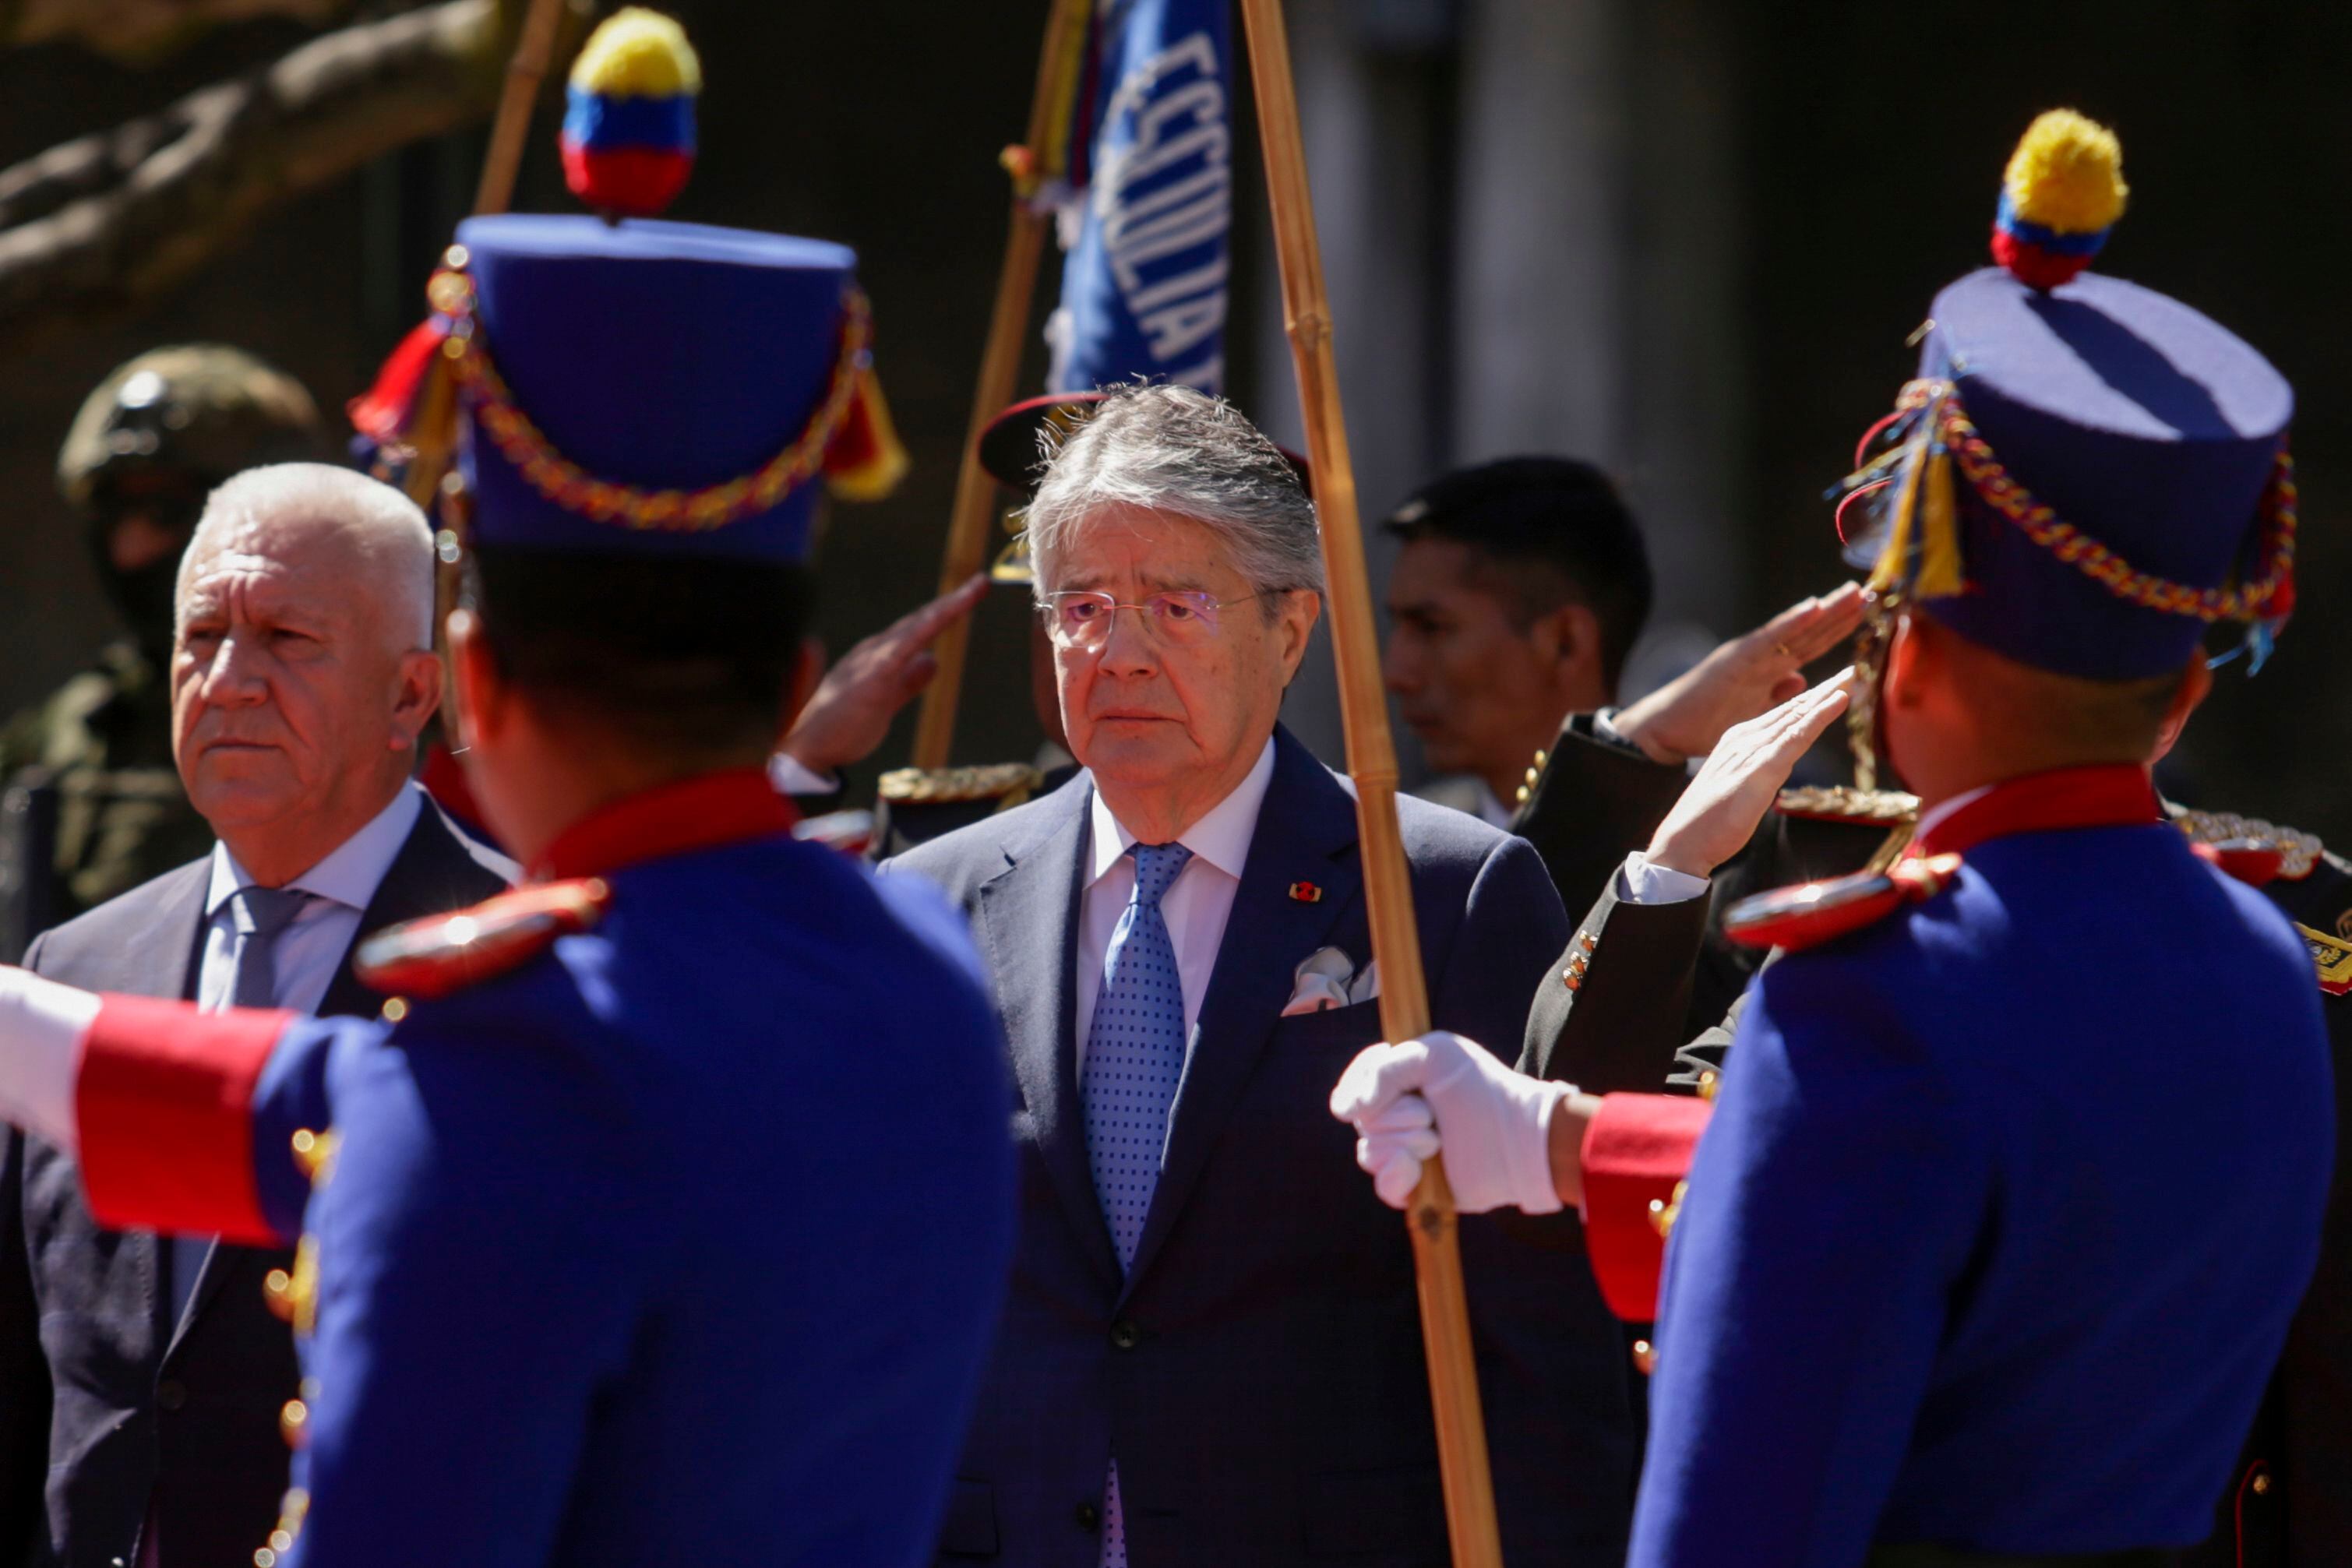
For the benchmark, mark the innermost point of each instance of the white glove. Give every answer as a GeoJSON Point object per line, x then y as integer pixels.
{"type": "Point", "coordinates": [1496, 1124]}
{"type": "Point", "coordinates": [41, 1028]}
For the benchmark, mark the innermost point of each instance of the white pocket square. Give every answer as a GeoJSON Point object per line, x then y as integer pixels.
{"type": "Point", "coordinates": [1328, 978]}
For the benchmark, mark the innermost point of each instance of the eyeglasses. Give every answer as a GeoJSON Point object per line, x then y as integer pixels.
{"type": "Point", "coordinates": [1080, 619]}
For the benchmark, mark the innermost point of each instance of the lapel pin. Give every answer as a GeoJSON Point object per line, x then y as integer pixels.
{"type": "Point", "coordinates": [1306, 893]}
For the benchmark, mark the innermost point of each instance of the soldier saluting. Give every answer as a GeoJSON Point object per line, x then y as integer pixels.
{"type": "Point", "coordinates": [1938, 1295]}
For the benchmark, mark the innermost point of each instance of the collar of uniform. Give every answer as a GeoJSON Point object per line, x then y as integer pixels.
{"type": "Point", "coordinates": [350, 875]}
{"type": "Point", "coordinates": [1221, 836]}
{"type": "Point", "coordinates": [703, 812]}
{"type": "Point", "coordinates": [2105, 795]}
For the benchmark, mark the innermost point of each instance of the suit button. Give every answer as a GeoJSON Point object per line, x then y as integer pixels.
{"type": "Point", "coordinates": [171, 1394]}
{"type": "Point", "coordinates": [1089, 1517]}
{"type": "Point", "coordinates": [1125, 1335]}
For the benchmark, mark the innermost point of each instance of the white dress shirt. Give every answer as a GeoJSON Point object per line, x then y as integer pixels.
{"type": "Point", "coordinates": [307, 957]}
{"type": "Point", "coordinates": [1196, 904]}
{"type": "Point", "coordinates": [307, 954]}
{"type": "Point", "coordinates": [310, 951]}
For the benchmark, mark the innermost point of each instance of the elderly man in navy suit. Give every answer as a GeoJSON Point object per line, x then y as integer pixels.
{"type": "Point", "coordinates": [142, 1375]}
{"type": "Point", "coordinates": [1212, 1351]}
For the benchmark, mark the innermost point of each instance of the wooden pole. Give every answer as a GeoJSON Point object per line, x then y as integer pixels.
{"type": "Point", "coordinates": [1371, 760]}
{"type": "Point", "coordinates": [434, 430]}
{"type": "Point", "coordinates": [969, 525]}
{"type": "Point", "coordinates": [534, 48]}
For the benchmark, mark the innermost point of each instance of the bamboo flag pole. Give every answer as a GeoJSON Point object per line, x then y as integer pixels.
{"type": "Point", "coordinates": [534, 48]}
{"type": "Point", "coordinates": [1000, 373]}
{"type": "Point", "coordinates": [434, 430]}
{"type": "Point", "coordinates": [1371, 760]}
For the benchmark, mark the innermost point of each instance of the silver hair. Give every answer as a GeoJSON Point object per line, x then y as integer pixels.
{"type": "Point", "coordinates": [1173, 449]}
{"type": "Point", "coordinates": [397, 538]}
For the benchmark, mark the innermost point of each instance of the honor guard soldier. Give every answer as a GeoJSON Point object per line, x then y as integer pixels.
{"type": "Point", "coordinates": [93, 805]}
{"type": "Point", "coordinates": [1933, 1295]}
{"type": "Point", "coordinates": [664, 1216]}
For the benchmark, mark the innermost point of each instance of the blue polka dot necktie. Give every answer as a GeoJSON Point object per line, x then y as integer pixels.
{"type": "Point", "coordinates": [1135, 1055]}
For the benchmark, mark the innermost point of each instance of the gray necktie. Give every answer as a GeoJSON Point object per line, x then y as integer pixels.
{"type": "Point", "coordinates": [258, 915]}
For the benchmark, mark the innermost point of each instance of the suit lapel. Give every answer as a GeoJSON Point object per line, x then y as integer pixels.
{"type": "Point", "coordinates": [171, 955]}
{"type": "Point", "coordinates": [1303, 831]}
{"type": "Point", "coordinates": [1028, 917]}
{"type": "Point", "coordinates": [433, 874]}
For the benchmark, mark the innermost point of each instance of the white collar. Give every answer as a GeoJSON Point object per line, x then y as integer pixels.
{"type": "Point", "coordinates": [1221, 836]}
{"type": "Point", "coordinates": [351, 874]}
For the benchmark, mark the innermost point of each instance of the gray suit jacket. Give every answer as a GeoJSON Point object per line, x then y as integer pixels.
{"type": "Point", "coordinates": [1259, 1372]}
{"type": "Point", "coordinates": [108, 1408]}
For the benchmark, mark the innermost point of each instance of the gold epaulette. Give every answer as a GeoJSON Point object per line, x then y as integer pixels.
{"type": "Point", "coordinates": [1796, 918]}
{"type": "Point", "coordinates": [445, 953]}
{"type": "Point", "coordinates": [1009, 783]}
{"type": "Point", "coordinates": [1844, 803]}
{"type": "Point", "coordinates": [2298, 851]}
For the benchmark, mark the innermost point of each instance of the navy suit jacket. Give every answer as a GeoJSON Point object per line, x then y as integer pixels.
{"type": "Point", "coordinates": [112, 1416]}
{"type": "Point", "coordinates": [1259, 1371]}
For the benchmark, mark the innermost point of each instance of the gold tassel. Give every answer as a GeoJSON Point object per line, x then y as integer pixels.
{"type": "Point", "coordinates": [1940, 573]}
{"type": "Point", "coordinates": [866, 460]}
{"type": "Point", "coordinates": [1895, 556]}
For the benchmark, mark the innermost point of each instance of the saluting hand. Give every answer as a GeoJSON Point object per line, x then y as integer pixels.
{"type": "Point", "coordinates": [1687, 716]}
{"type": "Point", "coordinates": [849, 715]}
{"type": "Point", "coordinates": [1719, 811]}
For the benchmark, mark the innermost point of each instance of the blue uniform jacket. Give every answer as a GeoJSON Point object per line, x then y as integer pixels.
{"type": "Point", "coordinates": [680, 1243]}
{"type": "Point", "coordinates": [1995, 1236]}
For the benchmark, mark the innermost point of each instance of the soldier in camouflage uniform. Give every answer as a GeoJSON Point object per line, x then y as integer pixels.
{"type": "Point", "coordinates": [93, 804]}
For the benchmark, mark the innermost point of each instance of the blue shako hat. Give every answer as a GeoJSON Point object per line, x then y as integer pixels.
{"type": "Point", "coordinates": [2085, 476]}
{"type": "Point", "coordinates": [659, 388]}
{"type": "Point", "coordinates": [639, 387]}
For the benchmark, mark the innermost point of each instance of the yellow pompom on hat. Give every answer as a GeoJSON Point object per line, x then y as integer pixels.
{"type": "Point", "coordinates": [2062, 191]}
{"type": "Point", "coordinates": [638, 53]}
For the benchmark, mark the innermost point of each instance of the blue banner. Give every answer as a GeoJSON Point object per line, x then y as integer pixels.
{"type": "Point", "coordinates": [1143, 286]}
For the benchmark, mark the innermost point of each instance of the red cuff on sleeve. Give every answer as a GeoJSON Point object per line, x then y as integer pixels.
{"type": "Point", "coordinates": [1635, 1151]}
{"type": "Point", "coordinates": [164, 1100]}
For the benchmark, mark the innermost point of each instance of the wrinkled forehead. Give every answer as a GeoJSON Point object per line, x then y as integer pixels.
{"type": "Point", "coordinates": [296, 557]}
{"type": "Point", "coordinates": [1115, 545]}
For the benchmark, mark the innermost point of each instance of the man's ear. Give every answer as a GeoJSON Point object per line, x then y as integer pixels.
{"type": "Point", "coordinates": [1568, 638]}
{"type": "Point", "coordinates": [2195, 682]}
{"type": "Point", "coordinates": [480, 697]}
{"type": "Point", "coordinates": [418, 693]}
{"type": "Point", "coordinates": [1301, 608]}
{"type": "Point", "coordinates": [1912, 659]}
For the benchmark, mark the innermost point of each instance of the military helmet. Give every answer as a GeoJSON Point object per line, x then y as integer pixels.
{"type": "Point", "coordinates": [196, 412]}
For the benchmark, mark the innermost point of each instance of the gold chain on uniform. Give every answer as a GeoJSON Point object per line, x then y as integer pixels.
{"type": "Point", "coordinates": [2095, 560]}
{"type": "Point", "coordinates": [564, 482]}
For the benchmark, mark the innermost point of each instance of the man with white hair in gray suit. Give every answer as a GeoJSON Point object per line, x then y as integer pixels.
{"type": "Point", "coordinates": [141, 1377]}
